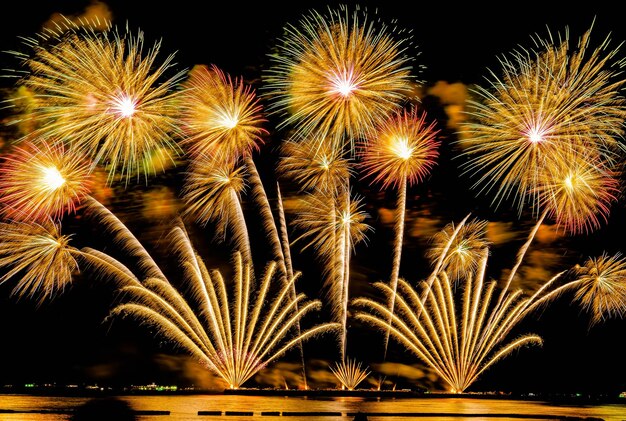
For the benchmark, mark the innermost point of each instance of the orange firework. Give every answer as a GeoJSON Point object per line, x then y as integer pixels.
{"type": "Point", "coordinates": [39, 182]}
{"type": "Point", "coordinates": [220, 114]}
{"type": "Point", "coordinates": [402, 149]}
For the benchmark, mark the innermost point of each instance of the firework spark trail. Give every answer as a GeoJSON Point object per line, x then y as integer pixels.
{"type": "Point", "coordinates": [461, 337]}
{"type": "Point", "coordinates": [349, 373]}
{"type": "Point", "coordinates": [335, 75]}
{"type": "Point", "coordinates": [212, 193]}
{"type": "Point", "coordinates": [124, 238]}
{"type": "Point", "coordinates": [237, 335]}
{"type": "Point", "coordinates": [98, 93]}
{"type": "Point", "coordinates": [401, 152]}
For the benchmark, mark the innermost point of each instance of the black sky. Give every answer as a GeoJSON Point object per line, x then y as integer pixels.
{"type": "Point", "coordinates": [65, 340]}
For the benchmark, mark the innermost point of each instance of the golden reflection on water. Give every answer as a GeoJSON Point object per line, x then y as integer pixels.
{"type": "Point", "coordinates": [186, 407]}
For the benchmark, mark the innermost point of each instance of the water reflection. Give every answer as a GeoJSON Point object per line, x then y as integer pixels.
{"type": "Point", "coordinates": [272, 408]}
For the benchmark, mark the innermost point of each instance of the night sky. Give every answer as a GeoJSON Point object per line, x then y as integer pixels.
{"type": "Point", "coordinates": [66, 341]}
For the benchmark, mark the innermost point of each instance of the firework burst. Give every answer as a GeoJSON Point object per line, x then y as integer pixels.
{"type": "Point", "coordinates": [335, 75]}
{"type": "Point", "coordinates": [578, 193]}
{"type": "Point", "coordinates": [403, 149]}
{"type": "Point", "coordinates": [602, 289]}
{"type": "Point", "coordinates": [212, 192]}
{"type": "Point", "coordinates": [98, 92]}
{"type": "Point", "coordinates": [463, 249]}
{"type": "Point", "coordinates": [220, 115]}
{"type": "Point", "coordinates": [402, 152]}
{"type": "Point", "coordinates": [39, 182]}
{"type": "Point", "coordinates": [39, 255]}
{"type": "Point", "coordinates": [548, 104]}
{"type": "Point", "coordinates": [314, 164]}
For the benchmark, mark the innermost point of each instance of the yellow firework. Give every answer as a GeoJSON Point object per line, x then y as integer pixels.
{"type": "Point", "coordinates": [219, 114]}
{"type": "Point", "coordinates": [461, 332]}
{"type": "Point", "coordinates": [578, 193]}
{"type": "Point", "coordinates": [323, 218]}
{"type": "Point", "coordinates": [335, 75]}
{"type": "Point", "coordinates": [39, 256]}
{"type": "Point", "coordinates": [314, 164]}
{"type": "Point", "coordinates": [333, 225]}
{"type": "Point", "coordinates": [42, 182]}
{"type": "Point", "coordinates": [104, 94]}
{"type": "Point", "coordinates": [350, 373]}
{"type": "Point", "coordinates": [602, 289]}
{"type": "Point", "coordinates": [212, 192]}
{"type": "Point", "coordinates": [548, 104]}
{"type": "Point", "coordinates": [464, 248]}
{"type": "Point", "coordinates": [401, 152]}
{"type": "Point", "coordinates": [235, 334]}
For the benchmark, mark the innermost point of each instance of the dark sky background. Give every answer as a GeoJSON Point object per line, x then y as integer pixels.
{"type": "Point", "coordinates": [65, 340]}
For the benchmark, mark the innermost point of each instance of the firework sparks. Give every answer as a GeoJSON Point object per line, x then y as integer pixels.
{"type": "Point", "coordinates": [212, 193]}
{"type": "Point", "coordinates": [578, 193]}
{"type": "Point", "coordinates": [402, 152]}
{"type": "Point", "coordinates": [314, 164]}
{"type": "Point", "coordinates": [235, 335]}
{"type": "Point", "coordinates": [547, 105]}
{"type": "Point", "coordinates": [99, 93]}
{"type": "Point", "coordinates": [403, 149]}
{"type": "Point", "coordinates": [39, 255]}
{"type": "Point", "coordinates": [42, 182]}
{"type": "Point", "coordinates": [333, 226]}
{"type": "Point", "coordinates": [335, 75]}
{"type": "Point", "coordinates": [464, 253]}
{"type": "Point", "coordinates": [220, 115]}
{"type": "Point", "coordinates": [602, 287]}
{"type": "Point", "coordinates": [350, 373]}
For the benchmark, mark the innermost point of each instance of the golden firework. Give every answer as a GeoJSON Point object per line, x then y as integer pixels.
{"type": "Point", "coordinates": [39, 255]}
{"type": "Point", "coordinates": [220, 114]}
{"type": "Point", "coordinates": [402, 149]}
{"type": "Point", "coordinates": [314, 164]}
{"type": "Point", "coordinates": [335, 75]}
{"type": "Point", "coordinates": [39, 182]}
{"type": "Point", "coordinates": [464, 248]}
{"type": "Point", "coordinates": [104, 94]}
{"type": "Point", "coordinates": [212, 193]}
{"type": "Point", "coordinates": [235, 334]}
{"type": "Point", "coordinates": [602, 286]}
{"type": "Point", "coordinates": [549, 104]}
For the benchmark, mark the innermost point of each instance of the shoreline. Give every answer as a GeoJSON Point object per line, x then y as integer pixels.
{"type": "Point", "coordinates": [94, 392]}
